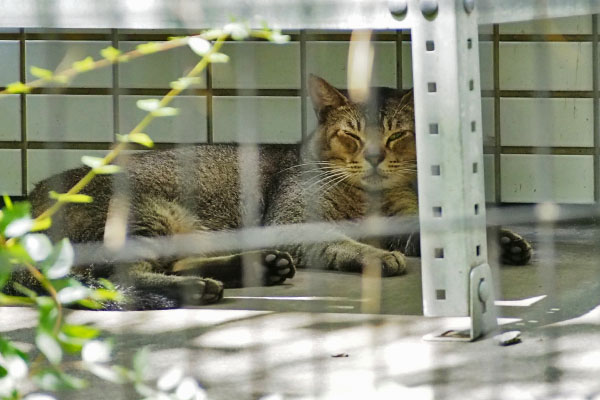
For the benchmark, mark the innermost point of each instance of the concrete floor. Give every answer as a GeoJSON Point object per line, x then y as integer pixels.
{"type": "Point", "coordinates": [241, 354]}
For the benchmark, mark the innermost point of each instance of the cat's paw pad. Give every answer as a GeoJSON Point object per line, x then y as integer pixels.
{"type": "Point", "coordinates": [197, 291]}
{"type": "Point", "coordinates": [279, 267]}
{"type": "Point", "coordinates": [514, 249]}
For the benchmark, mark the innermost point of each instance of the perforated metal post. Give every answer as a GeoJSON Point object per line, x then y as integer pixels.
{"type": "Point", "coordinates": [450, 164]}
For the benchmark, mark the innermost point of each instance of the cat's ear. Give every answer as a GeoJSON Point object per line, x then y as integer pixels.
{"type": "Point", "coordinates": [323, 94]}
{"type": "Point", "coordinates": [408, 97]}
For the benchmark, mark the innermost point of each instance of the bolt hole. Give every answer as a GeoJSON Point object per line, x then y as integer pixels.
{"type": "Point", "coordinates": [473, 126]}
{"type": "Point", "coordinates": [471, 85]}
{"type": "Point", "coordinates": [429, 45]}
{"type": "Point", "coordinates": [476, 209]}
{"type": "Point", "coordinates": [433, 129]}
{"type": "Point", "coordinates": [469, 43]}
{"type": "Point", "coordinates": [435, 170]}
{"type": "Point", "coordinates": [478, 250]}
{"type": "Point", "coordinates": [437, 212]}
{"type": "Point", "coordinates": [475, 167]}
{"type": "Point", "coordinates": [440, 294]}
{"type": "Point", "coordinates": [438, 253]}
{"type": "Point", "coordinates": [431, 87]}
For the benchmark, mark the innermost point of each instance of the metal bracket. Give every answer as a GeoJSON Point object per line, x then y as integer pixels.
{"type": "Point", "coordinates": [481, 306]}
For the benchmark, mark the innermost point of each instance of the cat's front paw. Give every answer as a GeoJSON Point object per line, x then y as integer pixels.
{"type": "Point", "coordinates": [279, 266]}
{"type": "Point", "coordinates": [514, 249]}
{"type": "Point", "coordinates": [198, 291]}
{"type": "Point", "coordinates": [368, 259]}
{"type": "Point", "coordinates": [392, 263]}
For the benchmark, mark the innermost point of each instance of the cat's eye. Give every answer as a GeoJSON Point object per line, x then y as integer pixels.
{"type": "Point", "coordinates": [397, 135]}
{"type": "Point", "coordinates": [352, 135]}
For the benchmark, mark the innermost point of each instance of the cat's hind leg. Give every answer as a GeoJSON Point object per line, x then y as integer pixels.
{"type": "Point", "coordinates": [252, 268]}
{"type": "Point", "coordinates": [146, 289]}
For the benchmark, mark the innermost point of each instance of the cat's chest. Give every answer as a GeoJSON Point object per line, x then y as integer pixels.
{"type": "Point", "coordinates": [355, 204]}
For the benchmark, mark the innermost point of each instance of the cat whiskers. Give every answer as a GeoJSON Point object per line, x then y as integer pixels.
{"type": "Point", "coordinates": [327, 179]}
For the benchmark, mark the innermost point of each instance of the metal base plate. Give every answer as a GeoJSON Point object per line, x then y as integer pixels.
{"type": "Point", "coordinates": [482, 309]}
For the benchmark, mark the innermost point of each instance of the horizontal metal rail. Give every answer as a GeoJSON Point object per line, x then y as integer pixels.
{"type": "Point", "coordinates": [283, 14]}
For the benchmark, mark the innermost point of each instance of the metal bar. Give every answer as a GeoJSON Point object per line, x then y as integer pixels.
{"type": "Point", "coordinates": [289, 14]}
{"type": "Point", "coordinates": [447, 91]}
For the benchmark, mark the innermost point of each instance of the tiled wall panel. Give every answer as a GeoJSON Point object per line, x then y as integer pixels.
{"type": "Point", "coordinates": [539, 178]}
{"type": "Point", "coordinates": [329, 60]}
{"type": "Point", "coordinates": [249, 119]}
{"type": "Point", "coordinates": [157, 70]}
{"type": "Point", "coordinates": [190, 126]}
{"type": "Point", "coordinates": [42, 163]}
{"type": "Point", "coordinates": [547, 122]}
{"type": "Point", "coordinates": [10, 179]}
{"type": "Point", "coordinates": [258, 65]}
{"type": "Point", "coordinates": [9, 66]}
{"type": "Point", "coordinates": [59, 55]}
{"type": "Point", "coordinates": [10, 117]}
{"type": "Point", "coordinates": [544, 98]}
{"type": "Point", "coordinates": [72, 118]}
{"type": "Point", "coordinates": [546, 66]}
{"type": "Point", "coordinates": [571, 25]}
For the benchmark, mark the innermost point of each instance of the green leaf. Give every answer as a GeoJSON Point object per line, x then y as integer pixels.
{"type": "Point", "coordinates": [165, 112]}
{"type": "Point", "coordinates": [7, 201]}
{"type": "Point", "coordinates": [148, 48]}
{"type": "Point", "coordinates": [41, 224]}
{"type": "Point", "coordinates": [54, 381]}
{"type": "Point", "coordinates": [237, 31]}
{"type": "Point", "coordinates": [61, 79]}
{"type": "Point", "coordinates": [19, 227]}
{"type": "Point", "coordinates": [41, 73]}
{"type": "Point", "coordinates": [148, 104]}
{"type": "Point", "coordinates": [84, 65]}
{"type": "Point", "coordinates": [110, 53]}
{"type": "Point", "coordinates": [71, 198]}
{"type": "Point", "coordinates": [8, 349]}
{"type": "Point", "coordinates": [17, 87]}
{"type": "Point", "coordinates": [96, 351]}
{"type": "Point", "coordinates": [5, 268]}
{"type": "Point", "coordinates": [106, 295]}
{"type": "Point", "coordinates": [107, 169]}
{"type": "Point", "coordinates": [38, 246]}
{"type": "Point", "coordinates": [216, 58]}
{"type": "Point", "coordinates": [108, 374]}
{"type": "Point", "coordinates": [80, 331]}
{"type": "Point", "coordinates": [48, 314]}
{"type": "Point", "coordinates": [92, 162]}
{"type": "Point", "coordinates": [277, 37]}
{"type": "Point", "coordinates": [199, 46]}
{"type": "Point", "coordinates": [91, 304]}
{"type": "Point", "coordinates": [106, 284]}
{"type": "Point", "coordinates": [140, 138]}
{"type": "Point", "coordinates": [185, 82]}
{"type": "Point", "coordinates": [17, 211]}
{"type": "Point", "coordinates": [24, 290]}
{"type": "Point", "coordinates": [60, 261]}
{"type": "Point", "coordinates": [70, 295]}
{"type": "Point", "coordinates": [49, 347]}
{"type": "Point", "coordinates": [3, 372]}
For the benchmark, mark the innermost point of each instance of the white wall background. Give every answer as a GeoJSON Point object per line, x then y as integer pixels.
{"type": "Point", "coordinates": [537, 87]}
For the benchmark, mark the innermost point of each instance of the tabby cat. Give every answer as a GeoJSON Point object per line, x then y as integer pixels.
{"type": "Point", "coordinates": [360, 155]}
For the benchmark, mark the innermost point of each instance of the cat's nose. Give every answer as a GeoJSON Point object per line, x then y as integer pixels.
{"type": "Point", "coordinates": [374, 159]}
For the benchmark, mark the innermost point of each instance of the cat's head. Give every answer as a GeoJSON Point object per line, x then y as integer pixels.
{"type": "Point", "coordinates": [371, 144]}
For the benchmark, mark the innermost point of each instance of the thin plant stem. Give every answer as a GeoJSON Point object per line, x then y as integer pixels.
{"type": "Point", "coordinates": [200, 66]}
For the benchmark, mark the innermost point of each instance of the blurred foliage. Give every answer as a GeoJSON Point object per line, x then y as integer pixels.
{"type": "Point", "coordinates": [24, 246]}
